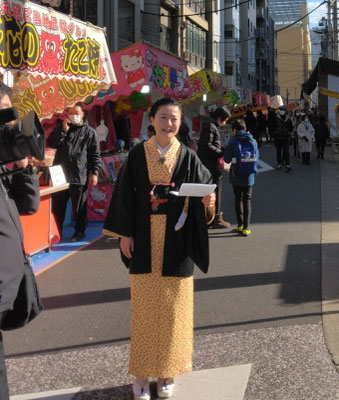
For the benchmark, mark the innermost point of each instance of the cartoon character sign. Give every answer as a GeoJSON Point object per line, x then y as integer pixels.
{"type": "Point", "coordinates": [49, 97]}
{"type": "Point", "coordinates": [132, 64]}
{"type": "Point", "coordinates": [50, 53]}
{"type": "Point", "coordinates": [98, 199]}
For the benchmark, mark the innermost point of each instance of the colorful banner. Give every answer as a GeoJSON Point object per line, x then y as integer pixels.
{"type": "Point", "coordinates": [57, 60]}
{"type": "Point", "coordinates": [142, 64]}
{"type": "Point", "coordinates": [199, 85]}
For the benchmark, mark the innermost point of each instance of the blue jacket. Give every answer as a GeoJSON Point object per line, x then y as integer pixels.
{"type": "Point", "coordinates": [229, 153]}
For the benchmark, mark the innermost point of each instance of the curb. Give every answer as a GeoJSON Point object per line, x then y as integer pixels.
{"type": "Point", "coordinates": [329, 253]}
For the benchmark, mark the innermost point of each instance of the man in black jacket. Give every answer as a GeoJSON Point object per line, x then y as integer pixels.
{"type": "Point", "coordinates": [210, 152]}
{"type": "Point", "coordinates": [283, 129]}
{"type": "Point", "coordinates": [19, 194]}
{"type": "Point", "coordinates": [79, 155]}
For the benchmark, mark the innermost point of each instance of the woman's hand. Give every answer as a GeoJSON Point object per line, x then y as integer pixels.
{"type": "Point", "coordinates": [127, 246]}
{"type": "Point", "coordinates": [209, 200]}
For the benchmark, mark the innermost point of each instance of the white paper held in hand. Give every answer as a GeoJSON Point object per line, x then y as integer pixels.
{"type": "Point", "coordinates": [195, 190]}
{"type": "Point", "coordinates": [57, 175]}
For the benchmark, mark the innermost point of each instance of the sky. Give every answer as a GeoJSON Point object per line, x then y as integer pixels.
{"type": "Point", "coordinates": [316, 15]}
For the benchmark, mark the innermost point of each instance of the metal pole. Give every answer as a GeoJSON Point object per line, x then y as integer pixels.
{"type": "Point", "coordinates": [335, 29]}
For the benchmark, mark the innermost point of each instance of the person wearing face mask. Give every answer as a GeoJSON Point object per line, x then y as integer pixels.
{"type": "Point", "coordinates": [283, 131]}
{"type": "Point", "coordinates": [306, 137]}
{"type": "Point", "coordinates": [78, 152]}
{"type": "Point", "coordinates": [296, 120]}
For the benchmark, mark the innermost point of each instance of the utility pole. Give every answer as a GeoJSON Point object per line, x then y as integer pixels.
{"type": "Point", "coordinates": [287, 93]}
{"type": "Point", "coordinates": [335, 30]}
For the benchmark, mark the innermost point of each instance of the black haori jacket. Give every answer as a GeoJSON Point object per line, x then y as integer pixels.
{"type": "Point", "coordinates": [19, 194]}
{"type": "Point", "coordinates": [129, 215]}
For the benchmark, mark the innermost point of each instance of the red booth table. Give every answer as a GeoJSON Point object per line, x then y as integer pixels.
{"type": "Point", "coordinates": [37, 227]}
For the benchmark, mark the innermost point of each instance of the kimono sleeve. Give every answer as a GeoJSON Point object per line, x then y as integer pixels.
{"type": "Point", "coordinates": [120, 216]}
{"type": "Point", "coordinates": [201, 173]}
{"type": "Point", "coordinates": [196, 233]}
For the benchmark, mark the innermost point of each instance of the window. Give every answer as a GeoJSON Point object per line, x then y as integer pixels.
{"type": "Point", "coordinates": [126, 23]}
{"type": "Point", "coordinates": [86, 10]}
{"type": "Point", "coordinates": [229, 70]}
{"type": "Point", "coordinates": [195, 39]}
{"type": "Point", "coordinates": [197, 6]}
{"type": "Point", "coordinates": [228, 34]}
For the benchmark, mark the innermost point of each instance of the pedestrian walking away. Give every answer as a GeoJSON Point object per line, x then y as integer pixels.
{"type": "Point", "coordinates": [306, 138]}
{"type": "Point", "coordinates": [210, 152]}
{"type": "Point", "coordinates": [296, 120]}
{"type": "Point", "coordinates": [321, 135]}
{"type": "Point", "coordinates": [19, 194]}
{"type": "Point", "coordinates": [251, 125]}
{"type": "Point", "coordinates": [283, 129]}
{"type": "Point", "coordinates": [271, 125]}
{"type": "Point", "coordinates": [261, 126]}
{"type": "Point", "coordinates": [242, 152]}
{"type": "Point", "coordinates": [161, 235]}
{"type": "Point", "coordinates": [77, 151]}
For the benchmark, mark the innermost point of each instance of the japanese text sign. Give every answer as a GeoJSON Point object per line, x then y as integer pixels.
{"type": "Point", "coordinates": [142, 64]}
{"type": "Point", "coordinates": [61, 60]}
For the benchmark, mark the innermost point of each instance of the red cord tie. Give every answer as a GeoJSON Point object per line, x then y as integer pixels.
{"type": "Point", "coordinates": [151, 193]}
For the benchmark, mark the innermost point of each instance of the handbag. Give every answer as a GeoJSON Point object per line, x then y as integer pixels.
{"type": "Point", "coordinates": [27, 304]}
{"type": "Point", "coordinates": [209, 215]}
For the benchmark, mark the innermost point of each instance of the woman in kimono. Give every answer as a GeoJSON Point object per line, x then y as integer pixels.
{"type": "Point", "coordinates": [161, 236]}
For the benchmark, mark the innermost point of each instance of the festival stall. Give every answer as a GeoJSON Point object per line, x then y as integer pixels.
{"type": "Point", "coordinates": [145, 74]}
{"type": "Point", "coordinates": [52, 61]}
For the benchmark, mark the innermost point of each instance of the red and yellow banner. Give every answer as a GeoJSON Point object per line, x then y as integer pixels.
{"type": "Point", "coordinates": [56, 60]}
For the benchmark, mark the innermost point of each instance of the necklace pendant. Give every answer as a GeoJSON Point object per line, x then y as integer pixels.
{"type": "Point", "coordinates": [162, 159]}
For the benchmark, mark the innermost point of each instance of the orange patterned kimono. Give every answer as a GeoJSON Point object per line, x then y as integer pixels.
{"type": "Point", "coordinates": [162, 307]}
{"type": "Point", "coordinates": [161, 290]}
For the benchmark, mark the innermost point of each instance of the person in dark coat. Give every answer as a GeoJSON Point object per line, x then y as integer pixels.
{"type": "Point", "coordinates": [321, 135]}
{"type": "Point", "coordinates": [271, 115]}
{"type": "Point", "coordinates": [78, 153]}
{"type": "Point", "coordinates": [283, 129]}
{"type": "Point", "coordinates": [261, 124]}
{"type": "Point", "coordinates": [251, 125]}
{"type": "Point", "coordinates": [210, 152]}
{"type": "Point", "coordinates": [19, 194]}
{"type": "Point", "coordinates": [242, 185]}
{"type": "Point", "coordinates": [184, 133]}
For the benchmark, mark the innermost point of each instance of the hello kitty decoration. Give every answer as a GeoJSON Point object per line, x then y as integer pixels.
{"type": "Point", "coordinates": [142, 64]}
{"type": "Point", "coordinates": [132, 64]}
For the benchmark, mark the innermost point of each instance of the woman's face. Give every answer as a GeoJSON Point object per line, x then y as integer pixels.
{"type": "Point", "coordinates": [221, 122]}
{"type": "Point", "coordinates": [167, 121]}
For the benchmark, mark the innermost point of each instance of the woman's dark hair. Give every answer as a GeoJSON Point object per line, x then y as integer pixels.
{"type": "Point", "coordinates": [166, 101]}
{"type": "Point", "coordinates": [150, 128]}
{"type": "Point", "coordinates": [221, 113]}
{"type": "Point", "coordinates": [80, 105]}
{"type": "Point", "coordinates": [322, 118]}
{"type": "Point", "coordinates": [4, 89]}
{"type": "Point", "coordinates": [239, 125]}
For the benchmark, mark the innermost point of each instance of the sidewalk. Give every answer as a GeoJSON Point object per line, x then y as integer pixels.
{"type": "Point", "coordinates": [330, 252]}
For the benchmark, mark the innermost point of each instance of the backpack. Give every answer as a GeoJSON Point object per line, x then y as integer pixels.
{"type": "Point", "coordinates": [245, 151]}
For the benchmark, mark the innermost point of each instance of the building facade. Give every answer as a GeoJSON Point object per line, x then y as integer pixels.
{"type": "Point", "coordinates": [293, 46]}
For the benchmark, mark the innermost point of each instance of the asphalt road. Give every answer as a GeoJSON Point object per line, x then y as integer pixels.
{"type": "Point", "coordinates": [269, 279]}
